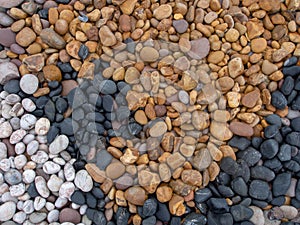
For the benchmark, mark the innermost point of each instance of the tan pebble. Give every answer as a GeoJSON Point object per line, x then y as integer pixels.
{"type": "Point", "coordinates": [128, 6]}
{"type": "Point", "coordinates": [25, 37]}
{"type": "Point", "coordinates": [107, 38]}
{"type": "Point", "coordinates": [17, 26]}
{"type": "Point", "coordinates": [235, 67]}
{"type": "Point", "coordinates": [158, 129]}
{"type": "Point", "coordinates": [175, 160]}
{"type": "Point", "coordinates": [141, 117]}
{"type": "Point", "coordinates": [135, 195]}
{"type": "Point", "coordinates": [258, 45]}
{"type": "Point", "coordinates": [132, 75]}
{"type": "Point", "coordinates": [232, 35]}
{"type": "Point", "coordinates": [41, 92]}
{"type": "Point", "coordinates": [136, 220]}
{"type": "Point", "coordinates": [276, 76]}
{"type": "Point", "coordinates": [176, 205]}
{"type": "Point", "coordinates": [52, 73]}
{"type": "Point", "coordinates": [221, 115]}
{"type": "Point", "coordinates": [192, 177]}
{"type": "Point", "coordinates": [254, 28]}
{"type": "Point", "coordinates": [67, 15]}
{"type": "Point", "coordinates": [164, 193]}
{"type": "Point", "coordinates": [250, 99]}
{"type": "Point", "coordinates": [94, 171]}
{"type": "Point", "coordinates": [73, 48]}
{"type": "Point", "coordinates": [76, 64]}
{"type": "Point", "coordinates": [35, 62]}
{"type": "Point", "coordinates": [61, 26]}
{"type": "Point", "coordinates": [225, 83]}
{"type": "Point", "coordinates": [213, 171]}
{"type": "Point", "coordinates": [87, 70]}
{"type": "Point", "coordinates": [130, 156]}
{"type": "Point", "coordinates": [115, 170]}
{"type": "Point", "coordinates": [52, 15]}
{"type": "Point", "coordinates": [137, 100]}
{"type": "Point", "coordinates": [149, 54]}
{"type": "Point", "coordinates": [241, 129]}
{"type": "Point", "coordinates": [215, 57]}
{"type": "Point", "coordinates": [268, 67]}
{"type": "Point", "coordinates": [124, 22]}
{"type": "Point", "coordinates": [220, 131]}
{"type": "Point", "coordinates": [227, 151]}
{"type": "Point", "coordinates": [148, 180]}
{"type": "Point", "coordinates": [162, 12]}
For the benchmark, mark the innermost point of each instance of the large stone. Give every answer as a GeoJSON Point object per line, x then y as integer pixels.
{"type": "Point", "coordinates": [8, 71]}
{"type": "Point", "coordinates": [7, 210]}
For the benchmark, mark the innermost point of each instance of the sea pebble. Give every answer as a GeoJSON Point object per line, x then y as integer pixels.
{"type": "Point", "coordinates": [27, 121]}
{"type": "Point", "coordinates": [59, 144]}
{"type": "Point", "coordinates": [7, 210]}
{"type": "Point", "coordinates": [83, 181]}
{"type": "Point", "coordinates": [29, 83]}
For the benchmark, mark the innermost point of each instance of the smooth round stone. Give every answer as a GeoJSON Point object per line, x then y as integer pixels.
{"type": "Point", "coordinates": [158, 129]}
{"type": "Point", "coordinates": [42, 126]}
{"type": "Point", "coordinates": [37, 217]}
{"type": "Point", "coordinates": [15, 123]}
{"type": "Point", "coordinates": [28, 105]}
{"type": "Point", "coordinates": [259, 189]}
{"type": "Point", "coordinates": [12, 86]}
{"type": "Point", "coordinates": [108, 87]}
{"type": "Point", "coordinates": [3, 151]}
{"type": "Point", "coordinates": [32, 147]}
{"type": "Point", "coordinates": [291, 61]}
{"type": "Point", "coordinates": [271, 131]}
{"type": "Point", "coordinates": [20, 161]}
{"type": "Point", "coordinates": [27, 121]}
{"type": "Point", "coordinates": [19, 217]}
{"type": "Point", "coordinates": [5, 130]}
{"type": "Point", "coordinates": [278, 100]}
{"type": "Point", "coordinates": [53, 216]}
{"type": "Point", "coordinates": [17, 190]}
{"type": "Point", "coordinates": [66, 190]}
{"type": "Point", "coordinates": [149, 54]}
{"type": "Point", "coordinates": [7, 210]}
{"type": "Point", "coordinates": [180, 25]}
{"type": "Point", "coordinates": [28, 176]}
{"type": "Point", "coordinates": [83, 181]}
{"type": "Point", "coordinates": [184, 97]}
{"type": "Point", "coordinates": [269, 148]}
{"type": "Point", "coordinates": [29, 83]}
{"type": "Point", "coordinates": [12, 99]}
{"type": "Point", "coordinates": [281, 184]}
{"type": "Point", "coordinates": [51, 167]}
{"type": "Point", "coordinates": [41, 187]}
{"type": "Point", "coordinates": [59, 144]}
{"type": "Point", "coordinates": [69, 215]}
{"type": "Point", "coordinates": [54, 183]}
{"type": "Point", "coordinates": [13, 177]}
{"type": "Point", "coordinates": [241, 213]}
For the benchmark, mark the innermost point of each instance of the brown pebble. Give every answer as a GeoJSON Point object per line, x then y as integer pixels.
{"type": "Point", "coordinates": [241, 129]}
{"type": "Point", "coordinates": [52, 73]}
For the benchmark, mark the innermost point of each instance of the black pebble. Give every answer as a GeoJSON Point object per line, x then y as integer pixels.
{"type": "Point", "coordinates": [269, 148]}
{"type": "Point", "coordinates": [219, 219]}
{"type": "Point", "coordinates": [149, 221]}
{"type": "Point", "coordinates": [293, 138]}
{"type": "Point", "coordinates": [122, 216]}
{"type": "Point", "coordinates": [53, 84]}
{"type": "Point", "coordinates": [50, 110]}
{"type": "Point", "coordinates": [149, 207]}
{"type": "Point", "coordinates": [65, 67]}
{"type": "Point", "coordinates": [291, 71]}
{"type": "Point", "coordinates": [239, 186]}
{"type": "Point", "coordinates": [107, 87]}
{"type": "Point", "coordinates": [271, 131]}
{"type": "Point", "coordinates": [262, 173]}
{"type": "Point", "coordinates": [285, 153]}
{"type": "Point", "coordinates": [78, 198]}
{"type": "Point", "coordinates": [250, 155]}
{"type": "Point", "coordinates": [290, 61]}
{"type": "Point", "coordinates": [295, 124]}
{"type": "Point", "coordinates": [274, 119]}
{"type": "Point", "coordinates": [278, 100]}
{"type": "Point", "coordinates": [259, 189]}
{"type": "Point", "coordinates": [61, 105]}
{"type": "Point", "coordinates": [202, 195]}
{"type": "Point", "coordinates": [287, 86]}
{"type": "Point", "coordinates": [83, 52]}
{"type": "Point", "coordinates": [241, 213]}
{"type": "Point", "coordinates": [239, 142]}
{"type": "Point", "coordinates": [218, 205]}
{"type": "Point", "coordinates": [195, 219]}
{"type": "Point", "coordinates": [43, 13]}
{"type": "Point", "coordinates": [281, 184]}
{"type": "Point", "coordinates": [52, 133]}
{"type": "Point", "coordinates": [12, 86]}
{"type": "Point", "coordinates": [163, 213]}
{"type": "Point", "coordinates": [107, 103]}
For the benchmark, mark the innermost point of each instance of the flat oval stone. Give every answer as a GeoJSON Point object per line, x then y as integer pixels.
{"type": "Point", "coordinates": [41, 187]}
{"type": "Point", "coordinates": [17, 136]}
{"type": "Point", "coordinates": [5, 130]}
{"type": "Point", "coordinates": [7, 210]}
{"type": "Point", "coordinates": [69, 215]}
{"type": "Point", "coordinates": [8, 71]}
{"type": "Point", "coordinates": [27, 121]}
{"type": "Point", "coordinates": [59, 144]}
{"type": "Point", "coordinates": [7, 37]}
{"type": "Point", "coordinates": [241, 129]}
{"type": "Point", "coordinates": [159, 129]}
{"type": "Point", "coordinates": [51, 38]}
{"type": "Point", "coordinates": [278, 100]}
{"type": "Point", "coordinates": [199, 48]}
{"type": "Point", "coordinates": [29, 83]}
{"type": "Point", "coordinates": [115, 170]}
{"type": "Point", "coordinates": [28, 105]}
{"type": "Point", "coordinates": [149, 54]}
{"type": "Point", "coordinates": [135, 195]}
{"type": "Point", "coordinates": [250, 99]}
{"type": "Point", "coordinates": [83, 181]}
{"type": "Point", "coordinates": [42, 126]}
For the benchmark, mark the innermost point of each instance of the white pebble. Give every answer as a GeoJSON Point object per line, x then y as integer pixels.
{"type": "Point", "coordinates": [5, 130]}
{"type": "Point", "coordinates": [83, 209]}
{"type": "Point", "coordinates": [17, 190]}
{"type": "Point", "coordinates": [3, 94]}
{"type": "Point", "coordinates": [51, 167]}
{"type": "Point", "coordinates": [53, 216]}
{"type": "Point", "coordinates": [42, 126]}
{"type": "Point", "coordinates": [69, 172]}
{"type": "Point", "coordinates": [39, 203]}
{"type": "Point", "coordinates": [60, 202]}
{"type": "Point", "coordinates": [83, 181]}
{"type": "Point", "coordinates": [7, 210]}
{"type": "Point", "coordinates": [20, 161]}
{"type": "Point", "coordinates": [17, 136]}
{"type": "Point", "coordinates": [49, 206]}
{"type": "Point", "coordinates": [41, 187]}
{"type": "Point", "coordinates": [15, 123]}
{"type": "Point", "coordinates": [28, 138]}
{"type": "Point", "coordinates": [59, 144]}
{"type": "Point", "coordinates": [6, 111]}
{"type": "Point", "coordinates": [5, 165]}
{"type": "Point", "coordinates": [32, 147]}
{"type": "Point", "coordinates": [54, 183]}
{"type": "Point", "coordinates": [3, 151]}
{"type": "Point", "coordinates": [27, 121]}
{"type": "Point", "coordinates": [20, 148]}
{"type": "Point", "coordinates": [19, 217]}
{"type": "Point", "coordinates": [28, 207]}
{"type": "Point", "coordinates": [29, 83]}
{"type": "Point", "coordinates": [28, 105]}
{"type": "Point", "coordinates": [17, 110]}
{"type": "Point", "coordinates": [42, 139]}
{"type": "Point", "coordinates": [66, 190]}
{"type": "Point", "coordinates": [59, 161]}
{"type": "Point", "coordinates": [4, 188]}
{"type": "Point", "coordinates": [40, 157]}
{"type": "Point", "coordinates": [28, 176]}
{"type": "Point", "coordinates": [6, 197]}
{"type": "Point", "coordinates": [12, 99]}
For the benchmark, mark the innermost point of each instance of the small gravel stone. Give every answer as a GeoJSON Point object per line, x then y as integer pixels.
{"type": "Point", "coordinates": [13, 177]}
{"type": "Point", "coordinates": [29, 83]}
{"type": "Point", "coordinates": [27, 121]}
{"type": "Point", "coordinates": [51, 38]}
{"type": "Point", "coordinates": [149, 54]}
{"type": "Point", "coordinates": [7, 37]}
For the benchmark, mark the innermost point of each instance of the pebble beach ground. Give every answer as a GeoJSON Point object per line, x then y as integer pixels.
{"type": "Point", "coordinates": [150, 112]}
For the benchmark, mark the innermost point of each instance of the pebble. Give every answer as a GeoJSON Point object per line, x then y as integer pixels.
{"type": "Point", "coordinates": [241, 213]}
{"type": "Point", "coordinates": [269, 148]}
{"type": "Point", "coordinates": [8, 71]}
{"type": "Point", "coordinates": [10, 4]}
{"type": "Point", "coordinates": [29, 83]}
{"type": "Point", "coordinates": [54, 183]}
{"type": "Point", "coordinates": [41, 187]}
{"type": "Point", "coordinates": [69, 215]}
{"type": "Point", "coordinates": [258, 216]}
{"type": "Point", "coordinates": [199, 48]}
{"type": "Point", "coordinates": [158, 129]}
{"type": "Point", "coordinates": [149, 54]}
{"type": "Point", "coordinates": [17, 136]}
{"type": "Point", "coordinates": [278, 100]}
{"type": "Point", "coordinates": [13, 177]}
{"type": "Point", "coordinates": [135, 195]}
{"type": "Point", "coordinates": [5, 130]}
{"type": "Point", "coordinates": [162, 12]}
{"type": "Point", "coordinates": [7, 37]}
{"type": "Point", "coordinates": [115, 170]}
{"type": "Point", "coordinates": [83, 181]}
{"type": "Point", "coordinates": [59, 144]}
{"type": "Point", "coordinates": [7, 210]}
{"type": "Point", "coordinates": [51, 167]}
{"type": "Point", "coordinates": [180, 26]}
{"type": "Point", "coordinates": [51, 38]}
{"type": "Point", "coordinates": [259, 189]}
{"type": "Point", "coordinates": [27, 121]}
{"type": "Point", "coordinates": [25, 37]}
{"type": "Point", "coordinates": [66, 190]}
{"type": "Point", "coordinates": [42, 126]}
{"type": "Point", "coordinates": [281, 184]}
{"type": "Point", "coordinates": [107, 38]}
{"type": "Point", "coordinates": [241, 129]}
